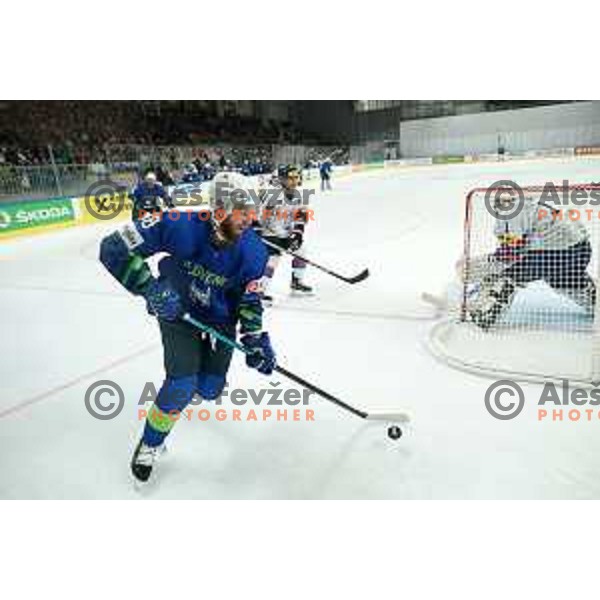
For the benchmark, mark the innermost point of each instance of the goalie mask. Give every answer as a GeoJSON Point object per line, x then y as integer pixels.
{"type": "Point", "coordinates": [505, 201]}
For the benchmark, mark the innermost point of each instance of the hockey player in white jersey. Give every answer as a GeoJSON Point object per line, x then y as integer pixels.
{"type": "Point", "coordinates": [282, 221]}
{"type": "Point", "coordinates": [537, 244]}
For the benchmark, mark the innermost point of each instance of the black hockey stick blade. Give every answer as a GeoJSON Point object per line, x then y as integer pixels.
{"type": "Point", "coordinates": [357, 278]}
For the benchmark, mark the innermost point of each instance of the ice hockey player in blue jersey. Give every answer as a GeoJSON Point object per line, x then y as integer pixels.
{"type": "Point", "coordinates": [208, 172]}
{"type": "Point", "coordinates": [149, 195]}
{"type": "Point", "coordinates": [325, 172]}
{"type": "Point", "coordinates": [191, 175]}
{"type": "Point", "coordinates": [213, 270]}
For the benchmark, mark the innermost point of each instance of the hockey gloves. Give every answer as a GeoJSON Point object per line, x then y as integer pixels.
{"type": "Point", "coordinates": [162, 300]}
{"type": "Point", "coordinates": [296, 239]}
{"type": "Point", "coordinates": [261, 355]}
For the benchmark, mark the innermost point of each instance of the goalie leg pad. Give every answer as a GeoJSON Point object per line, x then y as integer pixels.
{"type": "Point", "coordinates": [583, 295]}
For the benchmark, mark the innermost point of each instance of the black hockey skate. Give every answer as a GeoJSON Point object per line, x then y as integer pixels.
{"type": "Point", "coordinates": [300, 288]}
{"type": "Point", "coordinates": [143, 460]}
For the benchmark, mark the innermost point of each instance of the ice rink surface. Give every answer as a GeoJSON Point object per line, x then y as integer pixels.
{"type": "Point", "coordinates": [65, 324]}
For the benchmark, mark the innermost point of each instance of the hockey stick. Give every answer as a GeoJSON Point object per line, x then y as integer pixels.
{"type": "Point", "coordinates": [356, 279]}
{"type": "Point", "coordinates": [401, 417]}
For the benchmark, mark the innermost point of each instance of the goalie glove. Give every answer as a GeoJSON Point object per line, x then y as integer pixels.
{"type": "Point", "coordinates": [296, 238]}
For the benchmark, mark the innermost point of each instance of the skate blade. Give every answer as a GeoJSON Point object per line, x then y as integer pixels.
{"type": "Point", "coordinates": [142, 488]}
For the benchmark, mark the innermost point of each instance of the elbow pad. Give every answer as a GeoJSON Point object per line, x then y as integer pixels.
{"type": "Point", "coordinates": [128, 268]}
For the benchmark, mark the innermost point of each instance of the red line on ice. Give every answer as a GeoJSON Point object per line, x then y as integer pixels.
{"type": "Point", "coordinates": [51, 392]}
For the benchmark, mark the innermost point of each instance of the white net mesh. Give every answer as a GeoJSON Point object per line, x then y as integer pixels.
{"type": "Point", "coordinates": [524, 304]}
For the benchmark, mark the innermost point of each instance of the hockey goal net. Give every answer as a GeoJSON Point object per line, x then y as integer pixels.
{"type": "Point", "coordinates": [524, 303]}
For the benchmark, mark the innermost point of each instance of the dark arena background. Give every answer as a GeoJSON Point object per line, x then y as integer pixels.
{"type": "Point", "coordinates": [57, 148]}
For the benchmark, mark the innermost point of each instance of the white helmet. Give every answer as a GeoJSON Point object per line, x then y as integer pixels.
{"type": "Point", "coordinates": [231, 190]}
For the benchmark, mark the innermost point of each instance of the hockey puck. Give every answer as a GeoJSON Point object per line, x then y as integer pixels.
{"type": "Point", "coordinates": [394, 432]}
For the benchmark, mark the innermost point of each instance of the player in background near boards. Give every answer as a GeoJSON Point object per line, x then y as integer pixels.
{"type": "Point", "coordinates": [309, 165]}
{"type": "Point", "coordinates": [533, 245]}
{"type": "Point", "coordinates": [191, 175]}
{"type": "Point", "coordinates": [282, 221]}
{"type": "Point", "coordinates": [149, 195]}
{"type": "Point", "coordinates": [501, 149]}
{"type": "Point", "coordinates": [325, 173]}
{"type": "Point", "coordinates": [214, 271]}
